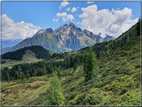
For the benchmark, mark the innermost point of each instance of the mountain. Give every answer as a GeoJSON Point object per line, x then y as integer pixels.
{"type": "Point", "coordinates": [31, 52]}
{"type": "Point", "coordinates": [108, 38]}
{"type": "Point", "coordinates": [117, 82]}
{"type": "Point", "coordinates": [64, 39]}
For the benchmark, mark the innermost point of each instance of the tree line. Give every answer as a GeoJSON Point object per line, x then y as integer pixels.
{"type": "Point", "coordinates": [41, 68]}
{"type": "Point", "coordinates": [70, 60]}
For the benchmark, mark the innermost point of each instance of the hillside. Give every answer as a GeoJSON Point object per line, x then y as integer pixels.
{"type": "Point", "coordinates": [64, 39]}
{"type": "Point", "coordinates": [28, 52]}
{"type": "Point", "coordinates": [117, 82]}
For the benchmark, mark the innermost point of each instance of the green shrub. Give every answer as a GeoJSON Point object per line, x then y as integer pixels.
{"type": "Point", "coordinates": [92, 99]}
{"type": "Point", "coordinates": [114, 86]}
{"type": "Point", "coordinates": [111, 101]}
{"type": "Point", "coordinates": [94, 90]}
{"type": "Point", "coordinates": [77, 100]}
{"type": "Point", "coordinates": [131, 97]}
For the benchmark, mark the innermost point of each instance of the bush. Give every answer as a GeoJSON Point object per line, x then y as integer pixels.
{"type": "Point", "coordinates": [77, 100]}
{"type": "Point", "coordinates": [131, 97]}
{"type": "Point", "coordinates": [111, 101]}
{"type": "Point", "coordinates": [92, 99]}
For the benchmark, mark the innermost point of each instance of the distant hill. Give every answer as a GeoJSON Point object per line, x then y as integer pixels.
{"type": "Point", "coordinates": [64, 39]}
{"type": "Point", "coordinates": [117, 81]}
{"type": "Point", "coordinates": [28, 52]}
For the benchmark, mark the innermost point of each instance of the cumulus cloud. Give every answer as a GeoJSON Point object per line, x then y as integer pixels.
{"type": "Point", "coordinates": [69, 17]}
{"type": "Point", "coordinates": [63, 4]}
{"type": "Point", "coordinates": [65, 17]}
{"type": "Point", "coordinates": [20, 30]}
{"type": "Point", "coordinates": [73, 9]}
{"type": "Point", "coordinates": [68, 9]}
{"type": "Point", "coordinates": [61, 14]}
{"type": "Point", "coordinates": [114, 22]}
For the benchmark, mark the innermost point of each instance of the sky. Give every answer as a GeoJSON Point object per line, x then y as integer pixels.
{"type": "Point", "coordinates": [21, 20]}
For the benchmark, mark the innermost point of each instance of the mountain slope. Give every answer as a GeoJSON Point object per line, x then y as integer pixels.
{"type": "Point", "coordinates": [28, 52]}
{"type": "Point", "coordinates": [117, 82]}
{"type": "Point", "coordinates": [64, 39]}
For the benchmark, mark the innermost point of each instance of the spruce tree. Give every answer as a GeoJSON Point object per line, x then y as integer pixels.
{"type": "Point", "coordinates": [90, 65]}
{"type": "Point", "coordinates": [16, 75]}
{"type": "Point", "coordinates": [2, 78]}
{"type": "Point", "coordinates": [27, 75]}
{"type": "Point", "coordinates": [22, 76]}
{"type": "Point", "coordinates": [75, 67]}
{"type": "Point", "coordinates": [44, 69]}
{"type": "Point", "coordinates": [59, 73]}
{"type": "Point", "coordinates": [7, 76]}
{"type": "Point", "coordinates": [54, 93]}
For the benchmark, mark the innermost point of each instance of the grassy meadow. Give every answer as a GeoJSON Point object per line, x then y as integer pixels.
{"type": "Point", "coordinates": [117, 81]}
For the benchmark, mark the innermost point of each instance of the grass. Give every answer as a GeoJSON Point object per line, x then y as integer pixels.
{"type": "Point", "coordinates": [22, 92]}
{"type": "Point", "coordinates": [29, 56]}
{"type": "Point", "coordinates": [117, 83]}
{"type": "Point", "coordinates": [10, 63]}
{"type": "Point", "coordinates": [32, 59]}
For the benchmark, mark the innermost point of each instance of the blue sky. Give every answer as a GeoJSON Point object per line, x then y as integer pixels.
{"type": "Point", "coordinates": [42, 13]}
{"type": "Point", "coordinates": [36, 15]}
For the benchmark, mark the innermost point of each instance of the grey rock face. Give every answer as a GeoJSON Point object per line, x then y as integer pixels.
{"type": "Point", "coordinates": [65, 38]}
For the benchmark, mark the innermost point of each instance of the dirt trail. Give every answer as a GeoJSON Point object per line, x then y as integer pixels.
{"type": "Point", "coordinates": [24, 100]}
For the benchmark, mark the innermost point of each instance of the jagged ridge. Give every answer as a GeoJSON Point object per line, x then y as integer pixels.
{"type": "Point", "coordinates": [64, 39]}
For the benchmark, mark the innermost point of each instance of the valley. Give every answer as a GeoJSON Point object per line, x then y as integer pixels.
{"type": "Point", "coordinates": [117, 82]}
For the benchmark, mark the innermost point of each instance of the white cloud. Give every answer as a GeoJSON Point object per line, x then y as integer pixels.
{"type": "Point", "coordinates": [73, 9]}
{"type": "Point", "coordinates": [65, 17]}
{"type": "Point", "coordinates": [20, 30]}
{"type": "Point", "coordinates": [61, 14]}
{"type": "Point", "coordinates": [63, 4]}
{"type": "Point", "coordinates": [69, 17]}
{"type": "Point", "coordinates": [55, 20]}
{"type": "Point", "coordinates": [114, 22]}
{"type": "Point", "coordinates": [68, 9]}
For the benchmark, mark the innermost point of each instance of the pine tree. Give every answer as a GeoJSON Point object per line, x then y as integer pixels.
{"type": "Point", "coordinates": [27, 75]}
{"type": "Point", "coordinates": [7, 76]}
{"type": "Point", "coordinates": [2, 78]}
{"type": "Point", "coordinates": [44, 69]}
{"type": "Point", "coordinates": [59, 73]}
{"type": "Point", "coordinates": [54, 93]}
{"type": "Point", "coordinates": [22, 76]}
{"type": "Point", "coordinates": [75, 67]}
{"type": "Point", "coordinates": [90, 65]}
{"type": "Point", "coordinates": [16, 75]}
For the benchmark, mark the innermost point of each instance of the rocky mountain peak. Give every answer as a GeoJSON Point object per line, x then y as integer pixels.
{"type": "Point", "coordinates": [64, 26]}
{"type": "Point", "coordinates": [66, 37]}
{"type": "Point", "coordinates": [49, 30]}
{"type": "Point", "coordinates": [108, 38]}
{"type": "Point", "coordinates": [71, 24]}
{"type": "Point", "coordinates": [40, 31]}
